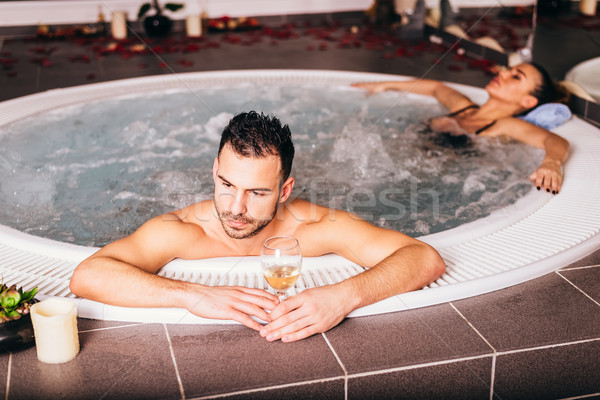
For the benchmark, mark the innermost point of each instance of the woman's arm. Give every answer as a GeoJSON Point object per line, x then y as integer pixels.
{"type": "Point", "coordinates": [548, 175]}
{"type": "Point", "coordinates": [451, 98]}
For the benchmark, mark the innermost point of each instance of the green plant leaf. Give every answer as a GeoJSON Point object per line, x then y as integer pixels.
{"type": "Point", "coordinates": [144, 8]}
{"type": "Point", "coordinates": [14, 314]}
{"type": "Point", "coordinates": [25, 297]}
{"type": "Point", "coordinates": [173, 6]}
{"type": "Point", "coordinates": [10, 299]}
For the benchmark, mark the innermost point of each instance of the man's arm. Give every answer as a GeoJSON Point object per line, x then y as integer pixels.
{"type": "Point", "coordinates": [549, 174]}
{"type": "Point", "coordinates": [397, 264]}
{"type": "Point", "coordinates": [123, 273]}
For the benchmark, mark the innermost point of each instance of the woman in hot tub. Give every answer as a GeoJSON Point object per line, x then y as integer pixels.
{"type": "Point", "coordinates": [513, 92]}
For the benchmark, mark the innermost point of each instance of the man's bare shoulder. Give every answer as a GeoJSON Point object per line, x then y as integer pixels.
{"type": "Point", "coordinates": [200, 213]}
{"type": "Point", "coordinates": [306, 213]}
{"type": "Point", "coordinates": [158, 241]}
{"type": "Point", "coordinates": [323, 230]}
{"type": "Point", "coordinates": [176, 229]}
{"type": "Point", "coordinates": [188, 233]}
{"type": "Point", "coordinates": [310, 217]}
{"type": "Point", "coordinates": [171, 228]}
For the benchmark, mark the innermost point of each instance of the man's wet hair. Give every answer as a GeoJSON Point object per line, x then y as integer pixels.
{"type": "Point", "coordinates": [251, 134]}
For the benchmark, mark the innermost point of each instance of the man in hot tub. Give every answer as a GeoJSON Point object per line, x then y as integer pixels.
{"type": "Point", "coordinates": [252, 203]}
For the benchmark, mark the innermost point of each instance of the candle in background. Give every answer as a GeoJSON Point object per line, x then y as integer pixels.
{"type": "Point", "coordinates": [434, 16]}
{"type": "Point", "coordinates": [55, 329]}
{"type": "Point", "coordinates": [193, 26]}
{"type": "Point", "coordinates": [118, 26]}
{"type": "Point", "coordinates": [588, 7]}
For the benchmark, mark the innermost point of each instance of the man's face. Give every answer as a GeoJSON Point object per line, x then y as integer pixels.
{"type": "Point", "coordinates": [246, 192]}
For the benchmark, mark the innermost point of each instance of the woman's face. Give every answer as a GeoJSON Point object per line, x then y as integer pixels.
{"type": "Point", "coordinates": [515, 84]}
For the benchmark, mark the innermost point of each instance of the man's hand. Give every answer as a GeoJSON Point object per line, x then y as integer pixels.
{"type": "Point", "coordinates": [231, 302]}
{"type": "Point", "coordinates": [313, 311]}
{"type": "Point", "coordinates": [548, 176]}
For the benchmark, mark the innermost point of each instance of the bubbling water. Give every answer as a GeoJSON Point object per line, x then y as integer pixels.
{"type": "Point", "coordinates": [93, 173]}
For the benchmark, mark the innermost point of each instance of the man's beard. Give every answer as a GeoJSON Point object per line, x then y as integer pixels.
{"type": "Point", "coordinates": [254, 225]}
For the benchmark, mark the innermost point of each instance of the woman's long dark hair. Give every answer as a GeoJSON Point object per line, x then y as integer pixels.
{"type": "Point", "coordinates": [546, 92]}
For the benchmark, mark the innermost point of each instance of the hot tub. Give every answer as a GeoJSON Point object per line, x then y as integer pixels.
{"type": "Point", "coordinates": [536, 235]}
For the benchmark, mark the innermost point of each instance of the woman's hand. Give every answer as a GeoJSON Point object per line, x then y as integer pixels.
{"type": "Point", "coordinates": [372, 87]}
{"type": "Point", "coordinates": [548, 176]}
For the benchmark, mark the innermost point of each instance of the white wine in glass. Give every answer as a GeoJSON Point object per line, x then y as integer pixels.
{"type": "Point", "coordinates": [281, 261]}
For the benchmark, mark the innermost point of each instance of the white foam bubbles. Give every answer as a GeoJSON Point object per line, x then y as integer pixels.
{"type": "Point", "coordinates": [215, 125]}
{"type": "Point", "coordinates": [472, 185]}
{"type": "Point", "coordinates": [96, 178]}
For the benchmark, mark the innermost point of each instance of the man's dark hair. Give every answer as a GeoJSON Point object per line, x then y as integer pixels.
{"type": "Point", "coordinates": [257, 135]}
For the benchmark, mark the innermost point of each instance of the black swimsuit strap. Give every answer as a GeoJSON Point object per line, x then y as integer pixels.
{"type": "Point", "coordinates": [455, 113]}
{"type": "Point", "coordinates": [470, 106]}
{"type": "Point", "coordinates": [478, 131]}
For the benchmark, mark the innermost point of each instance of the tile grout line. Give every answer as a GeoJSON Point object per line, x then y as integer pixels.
{"type": "Point", "coordinates": [473, 327]}
{"type": "Point", "coordinates": [493, 375]}
{"type": "Point", "coordinates": [181, 391]}
{"type": "Point", "coordinates": [418, 366]}
{"type": "Point", "coordinates": [585, 396]}
{"type": "Point", "coordinates": [578, 268]}
{"type": "Point", "coordinates": [118, 381]}
{"type": "Point", "coordinates": [498, 353]}
{"type": "Point", "coordinates": [8, 376]}
{"type": "Point", "coordinates": [383, 371]}
{"type": "Point", "coordinates": [441, 340]}
{"type": "Point", "coordinates": [494, 354]}
{"type": "Point", "coordinates": [112, 327]}
{"type": "Point", "coordinates": [346, 376]}
{"type": "Point", "coordinates": [549, 346]}
{"type": "Point", "coordinates": [264, 389]}
{"type": "Point", "coordinates": [340, 363]}
{"type": "Point", "coordinates": [575, 286]}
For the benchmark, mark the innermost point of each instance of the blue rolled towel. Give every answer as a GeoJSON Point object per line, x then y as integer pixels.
{"type": "Point", "coordinates": [548, 116]}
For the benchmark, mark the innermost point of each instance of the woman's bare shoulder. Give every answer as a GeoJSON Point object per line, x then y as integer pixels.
{"type": "Point", "coordinates": [512, 127]}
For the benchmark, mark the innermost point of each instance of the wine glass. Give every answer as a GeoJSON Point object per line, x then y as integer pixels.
{"type": "Point", "coordinates": [281, 261]}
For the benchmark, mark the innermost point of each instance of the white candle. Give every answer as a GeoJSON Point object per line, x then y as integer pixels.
{"type": "Point", "coordinates": [434, 15]}
{"type": "Point", "coordinates": [55, 329]}
{"type": "Point", "coordinates": [588, 7]}
{"type": "Point", "coordinates": [400, 6]}
{"type": "Point", "coordinates": [118, 25]}
{"type": "Point", "coordinates": [193, 26]}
